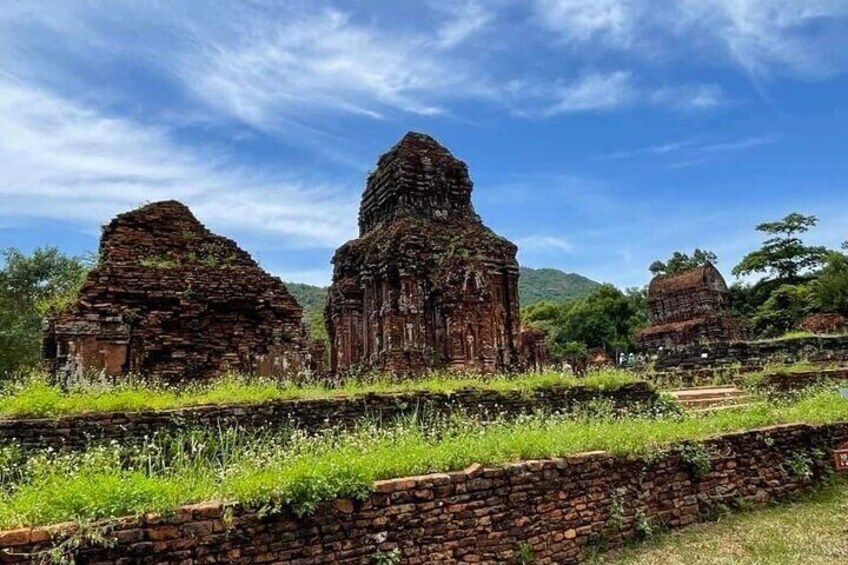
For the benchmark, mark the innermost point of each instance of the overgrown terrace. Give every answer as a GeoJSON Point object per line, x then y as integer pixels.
{"type": "Point", "coordinates": [36, 397]}
{"type": "Point", "coordinates": [298, 470]}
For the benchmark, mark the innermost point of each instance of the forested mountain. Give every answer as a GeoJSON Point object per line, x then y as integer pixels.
{"type": "Point", "coordinates": [536, 285]}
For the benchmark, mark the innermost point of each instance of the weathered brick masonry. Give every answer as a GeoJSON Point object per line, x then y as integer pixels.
{"type": "Point", "coordinates": [75, 432]}
{"type": "Point", "coordinates": [481, 515]}
{"type": "Point", "coordinates": [801, 380]}
{"type": "Point", "coordinates": [170, 299]}
{"type": "Point", "coordinates": [426, 284]}
{"type": "Point", "coordinates": [755, 354]}
{"type": "Point", "coordinates": [688, 307]}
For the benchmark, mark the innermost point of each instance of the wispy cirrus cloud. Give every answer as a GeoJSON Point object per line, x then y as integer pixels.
{"type": "Point", "coordinates": [659, 149]}
{"type": "Point", "coordinates": [607, 22]}
{"type": "Point", "coordinates": [596, 91]}
{"type": "Point", "coordinates": [463, 21]}
{"type": "Point", "coordinates": [62, 160]}
{"type": "Point", "coordinates": [710, 152]}
{"type": "Point", "coordinates": [609, 91]}
{"type": "Point", "coordinates": [689, 152]}
{"type": "Point", "coordinates": [761, 36]}
{"type": "Point", "coordinates": [284, 67]}
{"type": "Point", "coordinates": [536, 242]}
{"type": "Point", "coordinates": [319, 62]}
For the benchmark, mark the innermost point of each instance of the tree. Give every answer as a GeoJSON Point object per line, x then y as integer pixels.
{"type": "Point", "coordinates": [607, 318]}
{"type": "Point", "coordinates": [317, 328]}
{"type": "Point", "coordinates": [29, 286]}
{"type": "Point", "coordinates": [560, 348]}
{"type": "Point", "coordinates": [545, 314]}
{"type": "Point", "coordinates": [782, 311]}
{"type": "Point", "coordinates": [680, 262]}
{"type": "Point", "coordinates": [829, 292]}
{"type": "Point", "coordinates": [783, 257]}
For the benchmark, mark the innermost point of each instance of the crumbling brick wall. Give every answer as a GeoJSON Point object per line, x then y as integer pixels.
{"type": "Point", "coordinates": [558, 509]}
{"type": "Point", "coordinates": [754, 355]}
{"type": "Point", "coordinates": [170, 299]}
{"type": "Point", "coordinates": [426, 285]}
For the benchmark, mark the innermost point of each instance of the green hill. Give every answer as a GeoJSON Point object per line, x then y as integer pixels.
{"type": "Point", "coordinates": [310, 297]}
{"type": "Point", "coordinates": [536, 285]}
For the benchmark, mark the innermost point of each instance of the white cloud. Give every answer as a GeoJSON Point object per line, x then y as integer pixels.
{"type": "Point", "coordinates": [61, 160]}
{"type": "Point", "coordinates": [595, 91]}
{"type": "Point", "coordinates": [289, 68]}
{"type": "Point", "coordinates": [688, 97]}
{"type": "Point", "coordinates": [599, 91]}
{"type": "Point", "coordinates": [285, 67]}
{"type": "Point", "coordinates": [660, 149]}
{"type": "Point", "coordinates": [465, 19]}
{"type": "Point", "coordinates": [541, 242]}
{"type": "Point", "coordinates": [606, 21]}
{"type": "Point", "coordinates": [271, 65]}
{"type": "Point", "coordinates": [696, 151]}
{"type": "Point", "coordinates": [767, 35]}
{"type": "Point", "coordinates": [710, 152]}
{"type": "Point", "coordinates": [270, 71]}
{"type": "Point", "coordinates": [761, 36]}
{"type": "Point", "coordinates": [740, 144]}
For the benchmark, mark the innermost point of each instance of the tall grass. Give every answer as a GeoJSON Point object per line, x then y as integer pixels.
{"type": "Point", "coordinates": [37, 398]}
{"type": "Point", "coordinates": [299, 470]}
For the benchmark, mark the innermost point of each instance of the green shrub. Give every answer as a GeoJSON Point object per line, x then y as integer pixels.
{"type": "Point", "coordinates": [697, 458]}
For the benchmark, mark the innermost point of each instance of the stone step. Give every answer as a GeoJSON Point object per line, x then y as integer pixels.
{"type": "Point", "coordinates": [710, 409]}
{"type": "Point", "coordinates": [709, 391]}
{"type": "Point", "coordinates": [709, 402]}
{"type": "Point", "coordinates": [700, 398]}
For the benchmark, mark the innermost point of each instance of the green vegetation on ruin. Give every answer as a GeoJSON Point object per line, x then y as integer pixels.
{"type": "Point", "coordinates": [797, 335]}
{"type": "Point", "coordinates": [293, 469]}
{"type": "Point", "coordinates": [35, 397]}
{"type": "Point", "coordinates": [759, 379]}
{"type": "Point", "coordinates": [808, 532]}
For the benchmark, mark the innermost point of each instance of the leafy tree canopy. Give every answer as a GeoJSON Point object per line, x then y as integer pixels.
{"type": "Point", "coordinates": [829, 291]}
{"type": "Point", "coordinates": [680, 262]}
{"type": "Point", "coordinates": [29, 286]}
{"type": "Point", "coordinates": [782, 311]}
{"type": "Point", "coordinates": [783, 257]}
{"type": "Point", "coordinates": [607, 318]}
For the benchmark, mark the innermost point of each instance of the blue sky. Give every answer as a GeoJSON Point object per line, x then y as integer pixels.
{"type": "Point", "coordinates": [600, 134]}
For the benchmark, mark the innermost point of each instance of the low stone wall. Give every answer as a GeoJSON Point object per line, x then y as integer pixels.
{"type": "Point", "coordinates": [554, 508]}
{"type": "Point", "coordinates": [754, 354]}
{"type": "Point", "coordinates": [784, 382]}
{"type": "Point", "coordinates": [78, 431]}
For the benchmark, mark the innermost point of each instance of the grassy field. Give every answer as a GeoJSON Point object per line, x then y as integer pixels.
{"type": "Point", "coordinates": [813, 531]}
{"type": "Point", "coordinates": [36, 398]}
{"type": "Point", "coordinates": [292, 468]}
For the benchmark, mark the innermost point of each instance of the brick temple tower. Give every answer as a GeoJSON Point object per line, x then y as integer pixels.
{"type": "Point", "coordinates": [426, 284]}
{"type": "Point", "coordinates": [688, 307]}
{"type": "Point", "coordinates": [170, 299]}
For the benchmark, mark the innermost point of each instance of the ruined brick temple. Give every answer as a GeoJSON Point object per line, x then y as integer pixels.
{"type": "Point", "coordinates": [688, 307]}
{"type": "Point", "coordinates": [170, 299]}
{"type": "Point", "coordinates": [426, 284]}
